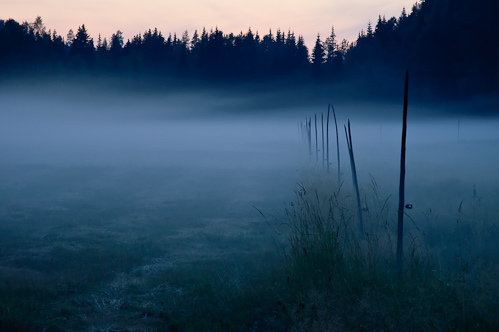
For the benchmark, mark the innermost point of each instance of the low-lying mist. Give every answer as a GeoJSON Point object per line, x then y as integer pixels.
{"type": "Point", "coordinates": [212, 129]}
{"type": "Point", "coordinates": [144, 195]}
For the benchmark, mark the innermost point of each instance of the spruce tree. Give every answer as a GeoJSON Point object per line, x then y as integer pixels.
{"type": "Point", "coordinates": [318, 53]}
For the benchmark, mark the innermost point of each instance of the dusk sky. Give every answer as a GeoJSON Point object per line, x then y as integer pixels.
{"type": "Point", "coordinates": [305, 18]}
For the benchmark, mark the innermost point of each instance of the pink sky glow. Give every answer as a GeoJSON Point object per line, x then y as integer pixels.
{"type": "Point", "coordinates": [305, 18]}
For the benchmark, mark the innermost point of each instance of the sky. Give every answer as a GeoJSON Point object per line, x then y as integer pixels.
{"type": "Point", "coordinates": [305, 18]}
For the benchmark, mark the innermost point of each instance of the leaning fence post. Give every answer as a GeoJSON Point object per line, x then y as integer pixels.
{"type": "Point", "coordinates": [354, 178]}
{"type": "Point", "coordinates": [400, 229]}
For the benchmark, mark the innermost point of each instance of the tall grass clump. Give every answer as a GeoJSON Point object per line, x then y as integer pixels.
{"type": "Point", "coordinates": [325, 246]}
{"type": "Point", "coordinates": [343, 281]}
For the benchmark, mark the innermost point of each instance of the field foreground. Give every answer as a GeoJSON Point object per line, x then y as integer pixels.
{"type": "Point", "coordinates": [125, 213]}
{"type": "Point", "coordinates": [106, 249]}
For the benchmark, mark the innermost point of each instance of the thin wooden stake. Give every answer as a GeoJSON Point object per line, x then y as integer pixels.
{"type": "Point", "coordinates": [354, 178]}
{"type": "Point", "coordinates": [316, 147]}
{"type": "Point", "coordinates": [400, 230]}
{"type": "Point", "coordinates": [309, 132]}
{"type": "Point", "coordinates": [327, 138]}
{"type": "Point", "coordinates": [337, 144]}
{"type": "Point", "coordinates": [322, 121]}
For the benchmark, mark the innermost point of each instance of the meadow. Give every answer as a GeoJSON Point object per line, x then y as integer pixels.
{"type": "Point", "coordinates": [113, 221]}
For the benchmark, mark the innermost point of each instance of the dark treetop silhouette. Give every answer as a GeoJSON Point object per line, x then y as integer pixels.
{"type": "Point", "coordinates": [448, 45]}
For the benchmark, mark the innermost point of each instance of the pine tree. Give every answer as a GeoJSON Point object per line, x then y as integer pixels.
{"type": "Point", "coordinates": [195, 40]}
{"type": "Point", "coordinates": [330, 47]}
{"type": "Point", "coordinates": [116, 44]}
{"type": "Point", "coordinates": [318, 53]}
{"type": "Point", "coordinates": [82, 45]}
{"type": "Point", "coordinates": [370, 33]}
{"type": "Point", "coordinates": [99, 42]}
{"type": "Point", "coordinates": [318, 56]}
{"type": "Point", "coordinates": [302, 53]}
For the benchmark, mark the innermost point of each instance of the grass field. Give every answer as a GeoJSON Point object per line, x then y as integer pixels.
{"type": "Point", "coordinates": [104, 249]}
{"type": "Point", "coordinates": [100, 249]}
{"type": "Point", "coordinates": [201, 218]}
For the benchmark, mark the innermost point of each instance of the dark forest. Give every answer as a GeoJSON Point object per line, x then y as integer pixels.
{"type": "Point", "coordinates": [448, 46]}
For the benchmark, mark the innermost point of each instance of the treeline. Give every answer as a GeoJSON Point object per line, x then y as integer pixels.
{"type": "Point", "coordinates": [448, 45]}
{"type": "Point", "coordinates": [29, 46]}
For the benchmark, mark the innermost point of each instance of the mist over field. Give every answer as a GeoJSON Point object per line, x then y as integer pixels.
{"type": "Point", "coordinates": [62, 126]}
{"type": "Point", "coordinates": [107, 193]}
{"type": "Point", "coordinates": [256, 150]}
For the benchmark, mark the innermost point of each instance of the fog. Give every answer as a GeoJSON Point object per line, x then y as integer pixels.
{"type": "Point", "coordinates": [207, 131]}
{"type": "Point", "coordinates": [128, 131]}
{"type": "Point", "coordinates": [124, 202]}
{"type": "Point", "coordinates": [197, 158]}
